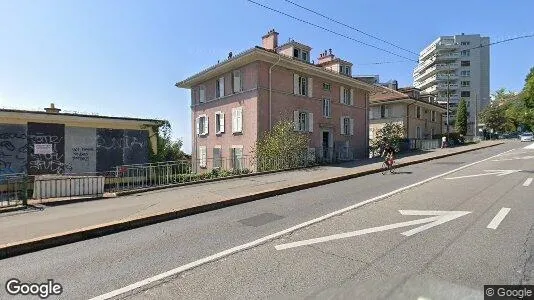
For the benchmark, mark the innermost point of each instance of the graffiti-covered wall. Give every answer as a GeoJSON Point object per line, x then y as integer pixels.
{"type": "Point", "coordinates": [13, 148]}
{"type": "Point", "coordinates": [80, 149]}
{"type": "Point", "coordinates": [45, 148]}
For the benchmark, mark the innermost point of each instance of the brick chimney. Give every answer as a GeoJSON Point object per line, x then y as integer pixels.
{"type": "Point", "coordinates": [52, 109]}
{"type": "Point", "coordinates": [325, 57]}
{"type": "Point", "coordinates": [270, 40]}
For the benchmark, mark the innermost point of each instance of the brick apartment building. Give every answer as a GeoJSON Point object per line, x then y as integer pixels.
{"type": "Point", "coordinates": [235, 101]}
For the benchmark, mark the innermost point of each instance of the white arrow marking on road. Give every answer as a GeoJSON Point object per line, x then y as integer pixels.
{"type": "Point", "coordinates": [439, 217]}
{"type": "Point", "coordinates": [491, 172]}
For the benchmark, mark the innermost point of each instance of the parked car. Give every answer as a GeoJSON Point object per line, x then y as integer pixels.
{"type": "Point", "coordinates": [526, 137]}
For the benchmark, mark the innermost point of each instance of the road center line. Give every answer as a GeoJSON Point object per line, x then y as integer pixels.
{"type": "Point", "coordinates": [275, 235]}
{"type": "Point", "coordinates": [498, 218]}
{"type": "Point", "coordinates": [527, 182]}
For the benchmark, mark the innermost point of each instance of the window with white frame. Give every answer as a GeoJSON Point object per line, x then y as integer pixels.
{"type": "Point", "coordinates": [219, 88]}
{"type": "Point", "coordinates": [347, 126]}
{"type": "Point", "coordinates": [237, 120]}
{"type": "Point", "coordinates": [303, 121]}
{"type": "Point", "coordinates": [217, 157]}
{"type": "Point", "coordinates": [418, 112]}
{"type": "Point", "coordinates": [432, 116]}
{"type": "Point", "coordinates": [346, 95]}
{"type": "Point", "coordinates": [219, 122]}
{"type": "Point", "coordinates": [464, 43]}
{"type": "Point", "coordinates": [384, 111]}
{"type": "Point", "coordinates": [465, 83]}
{"type": "Point", "coordinates": [305, 55]}
{"type": "Point", "coordinates": [327, 108]}
{"type": "Point", "coordinates": [236, 154]}
{"type": "Point", "coordinates": [237, 81]}
{"type": "Point", "coordinates": [201, 94]}
{"type": "Point", "coordinates": [301, 54]}
{"type": "Point", "coordinates": [418, 132]}
{"type": "Point", "coordinates": [465, 53]}
{"type": "Point", "coordinates": [202, 156]}
{"type": "Point", "coordinates": [327, 87]}
{"type": "Point", "coordinates": [302, 85]}
{"type": "Point", "coordinates": [343, 69]}
{"type": "Point", "coordinates": [296, 52]}
{"type": "Point", "coordinates": [202, 125]}
{"type": "Point", "coordinates": [465, 73]}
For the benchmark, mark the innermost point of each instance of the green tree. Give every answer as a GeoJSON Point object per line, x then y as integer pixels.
{"type": "Point", "coordinates": [494, 117]}
{"type": "Point", "coordinates": [391, 134]}
{"type": "Point", "coordinates": [167, 148]}
{"type": "Point", "coordinates": [461, 118]}
{"type": "Point", "coordinates": [281, 148]}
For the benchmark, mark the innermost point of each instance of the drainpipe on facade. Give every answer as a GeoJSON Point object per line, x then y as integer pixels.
{"type": "Point", "coordinates": [270, 92]}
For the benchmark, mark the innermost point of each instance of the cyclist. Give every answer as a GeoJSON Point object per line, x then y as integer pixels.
{"type": "Point", "coordinates": [389, 154]}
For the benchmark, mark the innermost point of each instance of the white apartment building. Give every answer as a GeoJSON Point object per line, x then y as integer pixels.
{"type": "Point", "coordinates": [457, 65]}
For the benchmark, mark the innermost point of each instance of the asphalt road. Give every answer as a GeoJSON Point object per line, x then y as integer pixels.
{"type": "Point", "coordinates": [447, 261]}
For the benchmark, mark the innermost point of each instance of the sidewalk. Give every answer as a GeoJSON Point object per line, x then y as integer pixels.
{"type": "Point", "coordinates": [35, 229]}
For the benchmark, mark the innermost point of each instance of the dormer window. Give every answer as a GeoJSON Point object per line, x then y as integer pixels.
{"type": "Point", "coordinates": [344, 70]}
{"type": "Point", "coordinates": [301, 54]}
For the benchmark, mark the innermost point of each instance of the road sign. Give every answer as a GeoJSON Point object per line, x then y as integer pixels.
{"type": "Point", "coordinates": [438, 217]}
{"type": "Point", "coordinates": [488, 172]}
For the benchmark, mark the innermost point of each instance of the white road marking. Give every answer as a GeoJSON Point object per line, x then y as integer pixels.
{"type": "Point", "coordinates": [531, 146]}
{"type": "Point", "coordinates": [515, 158]}
{"type": "Point", "coordinates": [273, 236]}
{"type": "Point", "coordinates": [440, 217]}
{"type": "Point", "coordinates": [527, 182]}
{"type": "Point", "coordinates": [498, 218]}
{"type": "Point", "coordinates": [491, 172]}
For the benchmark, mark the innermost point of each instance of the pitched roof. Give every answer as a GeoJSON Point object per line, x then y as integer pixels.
{"type": "Point", "coordinates": [384, 94]}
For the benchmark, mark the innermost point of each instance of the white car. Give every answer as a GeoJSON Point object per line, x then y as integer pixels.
{"type": "Point", "coordinates": [526, 137]}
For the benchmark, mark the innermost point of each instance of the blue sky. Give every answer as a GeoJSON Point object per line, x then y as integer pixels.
{"type": "Point", "coordinates": [123, 57]}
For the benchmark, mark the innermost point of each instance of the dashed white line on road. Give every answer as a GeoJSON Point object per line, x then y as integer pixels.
{"type": "Point", "coordinates": [498, 218]}
{"type": "Point", "coordinates": [527, 182]}
{"type": "Point", "coordinates": [217, 256]}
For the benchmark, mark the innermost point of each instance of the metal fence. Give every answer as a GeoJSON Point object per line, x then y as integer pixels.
{"type": "Point", "coordinates": [12, 189]}
{"type": "Point", "coordinates": [16, 188]}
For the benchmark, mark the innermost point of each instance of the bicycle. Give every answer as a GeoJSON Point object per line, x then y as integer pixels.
{"type": "Point", "coordinates": [388, 166]}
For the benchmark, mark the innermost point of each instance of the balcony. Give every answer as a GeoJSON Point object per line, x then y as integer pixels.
{"type": "Point", "coordinates": [432, 70]}
{"type": "Point", "coordinates": [443, 86]}
{"type": "Point", "coordinates": [446, 77]}
{"type": "Point", "coordinates": [452, 98]}
{"type": "Point", "coordinates": [448, 56]}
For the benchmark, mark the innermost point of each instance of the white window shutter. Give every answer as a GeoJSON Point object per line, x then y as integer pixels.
{"type": "Point", "coordinates": [239, 111]}
{"type": "Point", "coordinates": [310, 122]}
{"type": "Point", "coordinates": [371, 113]}
{"type": "Point", "coordinates": [351, 126]}
{"type": "Point", "coordinates": [310, 87]}
{"type": "Point", "coordinates": [221, 122]}
{"type": "Point", "coordinates": [198, 125]}
{"type": "Point", "coordinates": [296, 84]}
{"type": "Point", "coordinates": [296, 119]}
{"type": "Point", "coordinates": [341, 94]}
{"type": "Point", "coordinates": [351, 96]}
{"type": "Point", "coordinates": [206, 124]}
{"type": "Point", "coordinates": [234, 120]}
{"type": "Point", "coordinates": [221, 84]}
{"type": "Point", "coordinates": [342, 123]}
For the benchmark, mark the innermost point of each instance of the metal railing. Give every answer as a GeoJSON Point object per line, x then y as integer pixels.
{"type": "Point", "coordinates": [12, 189]}
{"type": "Point", "coordinates": [65, 186]}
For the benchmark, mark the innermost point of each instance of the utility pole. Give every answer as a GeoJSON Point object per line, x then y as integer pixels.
{"type": "Point", "coordinates": [448, 98]}
{"type": "Point", "coordinates": [476, 114]}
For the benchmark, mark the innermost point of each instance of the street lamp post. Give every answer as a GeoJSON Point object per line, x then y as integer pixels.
{"type": "Point", "coordinates": [448, 98]}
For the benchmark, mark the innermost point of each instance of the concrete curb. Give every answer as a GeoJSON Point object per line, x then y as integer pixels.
{"type": "Point", "coordinates": [45, 242]}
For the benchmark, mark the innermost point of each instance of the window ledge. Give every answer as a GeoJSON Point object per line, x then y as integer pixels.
{"type": "Point", "coordinates": [237, 133]}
